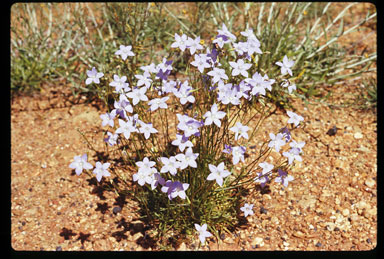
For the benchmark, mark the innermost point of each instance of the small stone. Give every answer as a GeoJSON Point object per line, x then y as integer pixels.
{"type": "Point", "coordinates": [354, 217]}
{"type": "Point", "coordinates": [137, 235]}
{"type": "Point", "coordinates": [137, 225]}
{"type": "Point", "coordinates": [368, 213]}
{"type": "Point", "coordinates": [258, 242]}
{"type": "Point", "coordinates": [318, 244]}
{"type": "Point", "coordinates": [263, 210]}
{"type": "Point", "coordinates": [299, 234]}
{"type": "Point", "coordinates": [222, 236]}
{"type": "Point", "coordinates": [345, 212]}
{"type": "Point", "coordinates": [361, 205]}
{"type": "Point", "coordinates": [58, 248]}
{"type": "Point", "coordinates": [182, 247]}
{"type": "Point", "coordinates": [369, 241]}
{"type": "Point", "coordinates": [358, 135]}
{"type": "Point", "coordinates": [116, 210]}
{"type": "Point", "coordinates": [370, 182]}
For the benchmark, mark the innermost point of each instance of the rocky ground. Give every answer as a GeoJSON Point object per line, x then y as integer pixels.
{"type": "Point", "coordinates": [331, 204]}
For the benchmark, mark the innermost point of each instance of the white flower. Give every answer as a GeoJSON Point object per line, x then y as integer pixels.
{"type": "Point", "coordinates": [294, 118]}
{"type": "Point", "coordinates": [240, 131]}
{"type": "Point", "coordinates": [217, 173]}
{"type": "Point", "coordinates": [224, 31]}
{"type": "Point", "coordinates": [120, 84]}
{"type": "Point", "coordinates": [276, 141]}
{"type": "Point", "coordinates": [293, 154]}
{"type": "Point", "coordinates": [181, 42]}
{"type": "Point", "coordinates": [141, 177]}
{"type": "Point", "coordinates": [108, 118]}
{"type": "Point", "coordinates": [214, 116]}
{"type": "Point", "coordinates": [253, 45]}
{"type": "Point", "coordinates": [267, 167]}
{"type": "Point", "coordinates": [238, 154]}
{"type": "Point", "coordinates": [185, 93]}
{"type": "Point", "coordinates": [93, 76]}
{"type": "Point", "coordinates": [299, 145]}
{"type": "Point", "coordinates": [181, 143]}
{"type": "Point", "coordinates": [124, 52]}
{"type": "Point", "coordinates": [101, 170]}
{"type": "Point", "coordinates": [137, 95]}
{"type": "Point", "coordinates": [194, 44]}
{"type": "Point", "coordinates": [126, 127]}
{"type": "Point", "coordinates": [170, 165]}
{"type": "Point", "coordinates": [200, 62]}
{"type": "Point", "coordinates": [80, 163]}
{"type": "Point", "coordinates": [145, 165]}
{"type": "Point", "coordinates": [240, 67]}
{"type": "Point", "coordinates": [147, 129]}
{"type": "Point", "coordinates": [158, 103]}
{"type": "Point", "coordinates": [249, 34]}
{"type": "Point", "coordinates": [144, 80]}
{"type": "Point", "coordinates": [247, 209]}
{"type": "Point", "coordinates": [286, 65]}
{"type": "Point", "coordinates": [187, 159]}
{"type": "Point", "coordinates": [111, 139]}
{"type": "Point", "coordinates": [217, 74]}
{"type": "Point", "coordinates": [203, 233]}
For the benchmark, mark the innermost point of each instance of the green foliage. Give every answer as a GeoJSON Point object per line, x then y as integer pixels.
{"type": "Point", "coordinates": [58, 41]}
{"type": "Point", "coordinates": [366, 98]}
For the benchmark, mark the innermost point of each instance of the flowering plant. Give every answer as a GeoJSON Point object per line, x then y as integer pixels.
{"type": "Point", "coordinates": [189, 137]}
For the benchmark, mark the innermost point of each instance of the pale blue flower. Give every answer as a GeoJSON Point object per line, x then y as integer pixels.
{"type": "Point", "coordinates": [277, 141]}
{"type": "Point", "coordinates": [93, 76]}
{"type": "Point", "coordinates": [170, 165]}
{"type": "Point", "coordinates": [108, 118]}
{"type": "Point", "coordinates": [203, 233]}
{"type": "Point", "coordinates": [158, 103]}
{"type": "Point", "coordinates": [294, 118]}
{"type": "Point", "coordinates": [217, 74]}
{"type": "Point", "coordinates": [80, 163]}
{"type": "Point", "coordinates": [137, 95]}
{"type": "Point", "coordinates": [218, 173]}
{"type": "Point", "coordinates": [224, 31]}
{"type": "Point", "coordinates": [181, 42]}
{"type": "Point", "coordinates": [125, 51]}
{"type": "Point", "coordinates": [147, 129]}
{"type": "Point", "coordinates": [262, 179]}
{"type": "Point", "coordinates": [240, 130]}
{"type": "Point", "coordinates": [214, 116]}
{"type": "Point", "coordinates": [283, 178]}
{"type": "Point", "coordinates": [101, 170]}
{"type": "Point", "coordinates": [201, 62]}
{"type": "Point", "coordinates": [194, 44]}
{"type": "Point", "coordinates": [240, 67]}
{"type": "Point", "coordinates": [286, 66]}
{"type": "Point", "coordinates": [175, 189]}
{"type": "Point", "coordinates": [247, 209]}
{"type": "Point", "coordinates": [120, 84]}
{"type": "Point", "coordinates": [182, 142]}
